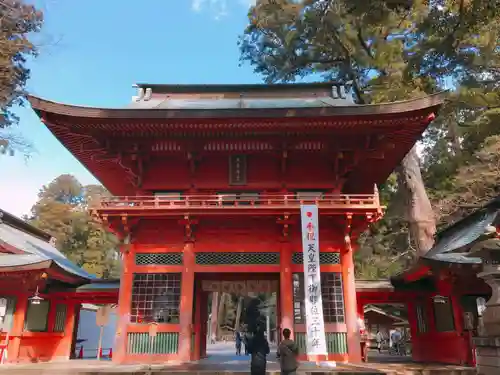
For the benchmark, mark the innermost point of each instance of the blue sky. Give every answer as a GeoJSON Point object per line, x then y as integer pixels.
{"type": "Point", "coordinates": [92, 51]}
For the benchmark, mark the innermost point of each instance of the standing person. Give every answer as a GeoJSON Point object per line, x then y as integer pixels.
{"type": "Point", "coordinates": [287, 354]}
{"type": "Point", "coordinates": [246, 340]}
{"type": "Point", "coordinates": [395, 338]}
{"type": "Point", "coordinates": [238, 343]}
{"type": "Point", "coordinates": [380, 338]}
{"type": "Point", "coordinates": [363, 339]}
{"type": "Point", "coordinates": [258, 347]}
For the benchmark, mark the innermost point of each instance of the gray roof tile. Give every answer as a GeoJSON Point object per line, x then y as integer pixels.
{"type": "Point", "coordinates": [165, 103]}
{"type": "Point", "coordinates": [39, 250]}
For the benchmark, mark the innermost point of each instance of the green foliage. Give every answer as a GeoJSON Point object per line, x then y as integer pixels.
{"type": "Point", "coordinates": [18, 22]}
{"type": "Point", "coordinates": [394, 50]}
{"type": "Point", "coordinates": [62, 211]}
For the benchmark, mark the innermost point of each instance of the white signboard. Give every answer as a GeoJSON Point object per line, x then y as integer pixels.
{"type": "Point", "coordinates": [3, 307]}
{"type": "Point", "coordinates": [102, 316]}
{"type": "Point", "coordinates": [315, 324]}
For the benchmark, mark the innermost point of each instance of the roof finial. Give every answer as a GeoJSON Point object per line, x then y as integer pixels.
{"type": "Point", "coordinates": [140, 95]}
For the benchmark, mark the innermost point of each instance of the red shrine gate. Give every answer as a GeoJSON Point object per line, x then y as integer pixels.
{"type": "Point", "coordinates": [209, 179]}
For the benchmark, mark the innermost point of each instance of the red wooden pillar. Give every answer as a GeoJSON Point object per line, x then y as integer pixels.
{"type": "Point", "coordinates": [17, 328]}
{"type": "Point", "coordinates": [72, 310]}
{"type": "Point", "coordinates": [124, 306]}
{"type": "Point", "coordinates": [186, 305]}
{"type": "Point", "coordinates": [351, 306]}
{"type": "Point", "coordinates": [286, 288]}
{"type": "Point", "coordinates": [467, 356]}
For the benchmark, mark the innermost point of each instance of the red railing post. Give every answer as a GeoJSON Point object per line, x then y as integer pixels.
{"type": "Point", "coordinates": [80, 353]}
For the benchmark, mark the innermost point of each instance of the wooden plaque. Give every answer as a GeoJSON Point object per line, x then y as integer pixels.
{"type": "Point", "coordinates": [153, 329]}
{"type": "Point", "coordinates": [102, 316]}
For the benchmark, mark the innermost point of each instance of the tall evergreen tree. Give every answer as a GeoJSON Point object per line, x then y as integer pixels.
{"type": "Point", "coordinates": [390, 50]}
{"type": "Point", "coordinates": [18, 21]}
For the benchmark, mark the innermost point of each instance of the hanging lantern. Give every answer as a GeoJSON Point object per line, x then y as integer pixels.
{"type": "Point", "coordinates": [36, 299]}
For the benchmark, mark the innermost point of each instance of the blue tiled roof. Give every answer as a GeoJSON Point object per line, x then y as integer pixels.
{"type": "Point", "coordinates": [37, 251]}
{"type": "Point", "coordinates": [463, 233]}
{"type": "Point", "coordinates": [99, 286]}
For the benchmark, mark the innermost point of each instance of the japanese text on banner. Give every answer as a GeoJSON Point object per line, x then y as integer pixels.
{"type": "Point", "coordinates": [316, 342]}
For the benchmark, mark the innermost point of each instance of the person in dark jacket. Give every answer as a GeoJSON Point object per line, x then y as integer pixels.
{"type": "Point", "coordinates": [238, 343]}
{"type": "Point", "coordinates": [287, 354]}
{"type": "Point", "coordinates": [258, 347]}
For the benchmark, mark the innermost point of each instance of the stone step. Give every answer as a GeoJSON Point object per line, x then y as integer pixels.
{"type": "Point", "coordinates": [356, 371]}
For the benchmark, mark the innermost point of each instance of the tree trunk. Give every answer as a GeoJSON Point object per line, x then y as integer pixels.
{"type": "Point", "coordinates": [454, 135]}
{"type": "Point", "coordinates": [214, 321]}
{"type": "Point", "coordinates": [238, 314]}
{"type": "Point", "coordinates": [417, 206]}
{"type": "Point", "coordinates": [222, 309]}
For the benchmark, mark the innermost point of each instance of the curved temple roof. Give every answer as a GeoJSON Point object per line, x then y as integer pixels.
{"type": "Point", "coordinates": [165, 116]}
{"type": "Point", "coordinates": [165, 108]}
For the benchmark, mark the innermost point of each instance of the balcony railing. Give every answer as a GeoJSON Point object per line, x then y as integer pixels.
{"type": "Point", "coordinates": [219, 203]}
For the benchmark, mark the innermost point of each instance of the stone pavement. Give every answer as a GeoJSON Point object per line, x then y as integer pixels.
{"type": "Point", "coordinates": [222, 360]}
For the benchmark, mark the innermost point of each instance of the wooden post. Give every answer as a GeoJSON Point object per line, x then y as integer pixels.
{"type": "Point", "coordinates": [286, 289]}
{"type": "Point", "coordinates": [239, 308]}
{"type": "Point", "coordinates": [351, 306]}
{"type": "Point", "coordinates": [124, 306]}
{"type": "Point", "coordinates": [220, 314]}
{"type": "Point", "coordinates": [17, 328]}
{"type": "Point", "coordinates": [186, 305]}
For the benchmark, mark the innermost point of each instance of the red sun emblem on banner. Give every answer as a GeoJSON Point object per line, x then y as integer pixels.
{"type": "Point", "coordinates": [309, 214]}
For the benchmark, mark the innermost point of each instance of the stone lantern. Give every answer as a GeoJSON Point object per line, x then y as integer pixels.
{"type": "Point", "coordinates": [488, 340]}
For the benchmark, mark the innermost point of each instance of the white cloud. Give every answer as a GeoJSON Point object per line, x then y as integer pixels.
{"type": "Point", "coordinates": [248, 3]}
{"type": "Point", "coordinates": [219, 8]}
{"type": "Point", "coordinates": [196, 5]}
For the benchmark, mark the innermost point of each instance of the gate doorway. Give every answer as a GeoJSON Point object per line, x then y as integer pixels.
{"type": "Point", "coordinates": [229, 303]}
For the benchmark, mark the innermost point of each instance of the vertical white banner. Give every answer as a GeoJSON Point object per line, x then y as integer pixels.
{"type": "Point", "coordinates": [315, 324]}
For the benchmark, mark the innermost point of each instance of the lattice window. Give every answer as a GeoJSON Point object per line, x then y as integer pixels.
{"type": "Point", "coordinates": [6, 322]}
{"type": "Point", "coordinates": [156, 298]}
{"type": "Point", "coordinates": [324, 258]}
{"type": "Point", "coordinates": [333, 297]}
{"type": "Point", "coordinates": [420, 311]}
{"type": "Point", "coordinates": [443, 314]}
{"type": "Point", "coordinates": [142, 259]}
{"type": "Point", "coordinates": [37, 317]}
{"type": "Point", "coordinates": [298, 298]}
{"type": "Point", "coordinates": [60, 321]}
{"type": "Point", "coordinates": [237, 258]}
{"type": "Point", "coordinates": [331, 293]}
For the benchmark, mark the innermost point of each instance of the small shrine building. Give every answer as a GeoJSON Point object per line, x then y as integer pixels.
{"type": "Point", "coordinates": [40, 295]}
{"type": "Point", "coordinates": [443, 290]}
{"type": "Point", "coordinates": [207, 183]}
